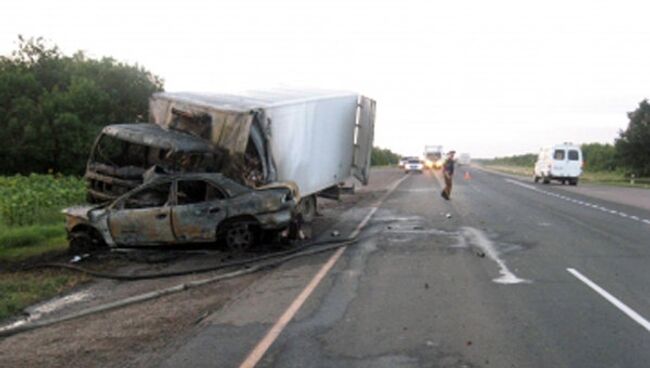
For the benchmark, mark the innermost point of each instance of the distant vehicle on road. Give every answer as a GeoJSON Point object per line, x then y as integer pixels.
{"type": "Point", "coordinates": [183, 209]}
{"type": "Point", "coordinates": [562, 162]}
{"type": "Point", "coordinates": [433, 156]}
{"type": "Point", "coordinates": [413, 165]}
{"type": "Point", "coordinates": [405, 159]}
{"type": "Point", "coordinates": [464, 159]}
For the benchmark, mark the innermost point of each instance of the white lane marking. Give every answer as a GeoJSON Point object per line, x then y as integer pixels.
{"type": "Point", "coordinates": [572, 200]}
{"type": "Point", "coordinates": [271, 335]}
{"type": "Point", "coordinates": [477, 238]}
{"type": "Point", "coordinates": [612, 299]}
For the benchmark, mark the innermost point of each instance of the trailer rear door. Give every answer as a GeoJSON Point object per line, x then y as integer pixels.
{"type": "Point", "coordinates": [363, 137]}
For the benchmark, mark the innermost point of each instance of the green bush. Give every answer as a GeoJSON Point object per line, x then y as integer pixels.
{"type": "Point", "coordinates": [383, 157]}
{"type": "Point", "coordinates": [37, 199]}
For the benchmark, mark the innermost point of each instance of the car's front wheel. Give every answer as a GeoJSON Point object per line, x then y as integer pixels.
{"type": "Point", "coordinates": [84, 241]}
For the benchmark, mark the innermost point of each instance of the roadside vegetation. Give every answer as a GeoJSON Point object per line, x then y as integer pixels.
{"type": "Point", "coordinates": [383, 157]}
{"type": "Point", "coordinates": [52, 106]}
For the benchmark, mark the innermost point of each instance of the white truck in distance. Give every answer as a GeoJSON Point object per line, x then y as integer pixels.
{"type": "Point", "coordinates": [464, 159]}
{"type": "Point", "coordinates": [562, 162]}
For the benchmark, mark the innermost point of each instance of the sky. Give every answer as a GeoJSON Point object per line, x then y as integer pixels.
{"type": "Point", "coordinates": [491, 78]}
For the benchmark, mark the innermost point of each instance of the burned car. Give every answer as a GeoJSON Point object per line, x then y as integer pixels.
{"type": "Point", "coordinates": [183, 209]}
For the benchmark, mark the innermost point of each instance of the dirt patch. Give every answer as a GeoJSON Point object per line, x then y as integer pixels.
{"type": "Point", "coordinates": [128, 337]}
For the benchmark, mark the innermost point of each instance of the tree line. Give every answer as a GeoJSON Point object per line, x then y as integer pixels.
{"type": "Point", "coordinates": [383, 157]}
{"type": "Point", "coordinates": [53, 105]}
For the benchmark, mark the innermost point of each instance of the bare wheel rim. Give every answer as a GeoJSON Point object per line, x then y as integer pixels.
{"type": "Point", "coordinates": [239, 237]}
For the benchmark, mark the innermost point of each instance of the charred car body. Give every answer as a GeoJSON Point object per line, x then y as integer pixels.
{"type": "Point", "coordinates": [311, 141]}
{"type": "Point", "coordinates": [187, 208]}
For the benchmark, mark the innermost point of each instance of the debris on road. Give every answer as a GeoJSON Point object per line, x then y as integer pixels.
{"type": "Point", "coordinates": [335, 233]}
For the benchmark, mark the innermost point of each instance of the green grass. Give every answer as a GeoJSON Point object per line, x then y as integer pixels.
{"type": "Point", "coordinates": [20, 243]}
{"type": "Point", "coordinates": [31, 230]}
{"type": "Point", "coordinates": [21, 289]}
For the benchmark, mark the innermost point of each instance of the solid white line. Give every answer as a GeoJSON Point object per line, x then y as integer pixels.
{"type": "Point", "coordinates": [612, 299]}
{"type": "Point", "coordinates": [263, 346]}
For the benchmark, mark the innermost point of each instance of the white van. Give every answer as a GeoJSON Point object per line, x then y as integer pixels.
{"type": "Point", "coordinates": [562, 162]}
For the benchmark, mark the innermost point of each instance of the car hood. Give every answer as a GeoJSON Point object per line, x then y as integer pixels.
{"type": "Point", "coordinates": [81, 211]}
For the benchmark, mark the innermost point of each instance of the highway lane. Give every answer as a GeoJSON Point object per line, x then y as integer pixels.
{"type": "Point", "coordinates": [486, 286]}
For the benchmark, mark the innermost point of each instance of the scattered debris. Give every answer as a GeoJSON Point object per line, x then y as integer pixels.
{"type": "Point", "coordinates": [448, 215]}
{"type": "Point", "coordinates": [468, 343]}
{"type": "Point", "coordinates": [426, 285]}
{"type": "Point", "coordinates": [335, 233]}
{"type": "Point", "coordinates": [78, 258]}
{"type": "Point", "coordinates": [480, 253]}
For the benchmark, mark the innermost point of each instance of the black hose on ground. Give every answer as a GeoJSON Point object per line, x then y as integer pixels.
{"type": "Point", "coordinates": [241, 262]}
{"type": "Point", "coordinates": [174, 289]}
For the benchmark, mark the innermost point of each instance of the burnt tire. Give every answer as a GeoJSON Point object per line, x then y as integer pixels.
{"type": "Point", "coordinates": [308, 208]}
{"type": "Point", "coordinates": [240, 236]}
{"type": "Point", "coordinates": [83, 241]}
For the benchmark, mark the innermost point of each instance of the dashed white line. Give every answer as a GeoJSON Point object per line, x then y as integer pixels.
{"type": "Point", "coordinates": [573, 200]}
{"type": "Point", "coordinates": [612, 299]}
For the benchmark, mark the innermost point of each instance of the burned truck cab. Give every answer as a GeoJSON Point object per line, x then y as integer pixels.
{"type": "Point", "coordinates": [123, 154]}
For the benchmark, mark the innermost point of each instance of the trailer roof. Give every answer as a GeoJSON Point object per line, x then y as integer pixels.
{"type": "Point", "coordinates": [255, 99]}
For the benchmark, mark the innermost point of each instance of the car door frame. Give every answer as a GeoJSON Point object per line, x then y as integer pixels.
{"type": "Point", "coordinates": [141, 226]}
{"type": "Point", "coordinates": [197, 222]}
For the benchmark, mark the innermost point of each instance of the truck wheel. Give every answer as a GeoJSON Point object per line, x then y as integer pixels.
{"type": "Point", "coordinates": [536, 179]}
{"type": "Point", "coordinates": [240, 236]}
{"type": "Point", "coordinates": [307, 208]}
{"type": "Point", "coordinates": [573, 182]}
{"type": "Point", "coordinates": [546, 180]}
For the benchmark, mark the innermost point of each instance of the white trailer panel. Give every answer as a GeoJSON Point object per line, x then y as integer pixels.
{"type": "Point", "coordinates": [317, 139]}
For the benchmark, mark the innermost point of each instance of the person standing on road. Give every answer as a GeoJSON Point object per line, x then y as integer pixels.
{"type": "Point", "coordinates": [447, 173]}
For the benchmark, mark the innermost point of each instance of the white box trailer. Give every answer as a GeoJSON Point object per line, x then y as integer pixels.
{"type": "Point", "coordinates": [316, 139]}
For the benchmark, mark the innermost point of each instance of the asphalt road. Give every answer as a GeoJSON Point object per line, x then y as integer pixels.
{"type": "Point", "coordinates": [506, 274]}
